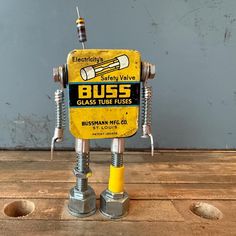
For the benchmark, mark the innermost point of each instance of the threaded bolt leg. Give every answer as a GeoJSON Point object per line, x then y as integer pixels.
{"type": "Point", "coordinates": [114, 201]}
{"type": "Point", "coordinates": [116, 178]}
{"type": "Point", "coordinates": [82, 168]}
{"type": "Point", "coordinates": [81, 184]}
{"type": "Point", "coordinates": [117, 159]}
{"type": "Point", "coordinates": [82, 198]}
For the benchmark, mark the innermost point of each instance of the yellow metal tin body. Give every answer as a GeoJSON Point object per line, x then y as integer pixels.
{"type": "Point", "coordinates": [104, 92]}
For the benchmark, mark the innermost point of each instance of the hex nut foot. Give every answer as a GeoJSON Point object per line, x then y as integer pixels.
{"type": "Point", "coordinates": [114, 205]}
{"type": "Point", "coordinates": [82, 204]}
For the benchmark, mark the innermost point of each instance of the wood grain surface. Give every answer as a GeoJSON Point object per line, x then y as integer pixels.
{"type": "Point", "coordinates": [161, 189]}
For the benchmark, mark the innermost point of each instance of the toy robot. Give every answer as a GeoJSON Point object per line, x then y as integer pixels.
{"type": "Point", "coordinates": [104, 102]}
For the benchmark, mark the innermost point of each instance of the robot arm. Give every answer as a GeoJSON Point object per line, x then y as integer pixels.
{"type": "Point", "coordinates": [148, 72]}
{"type": "Point", "coordinates": [60, 119]}
{"type": "Point", "coordinates": [59, 75]}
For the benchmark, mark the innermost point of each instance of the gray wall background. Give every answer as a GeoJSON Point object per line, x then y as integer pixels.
{"type": "Point", "coordinates": [192, 42]}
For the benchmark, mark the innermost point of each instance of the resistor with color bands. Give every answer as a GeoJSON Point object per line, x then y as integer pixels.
{"type": "Point", "coordinates": [81, 30]}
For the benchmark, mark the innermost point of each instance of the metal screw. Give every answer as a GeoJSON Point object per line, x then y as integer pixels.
{"type": "Point", "coordinates": [117, 151]}
{"type": "Point", "coordinates": [148, 71]}
{"type": "Point", "coordinates": [82, 201]}
{"type": "Point", "coordinates": [56, 75]}
{"type": "Point", "coordinates": [117, 159]}
{"type": "Point", "coordinates": [152, 71]}
{"type": "Point", "coordinates": [60, 75]}
{"type": "Point", "coordinates": [82, 167]}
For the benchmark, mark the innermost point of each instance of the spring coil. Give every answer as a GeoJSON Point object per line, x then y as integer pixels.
{"type": "Point", "coordinates": [60, 108]}
{"type": "Point", "coordinates": [147, 106]}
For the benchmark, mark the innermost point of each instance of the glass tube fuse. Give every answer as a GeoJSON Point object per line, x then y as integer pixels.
{"type": "Point", "coordinates": [117, 63]}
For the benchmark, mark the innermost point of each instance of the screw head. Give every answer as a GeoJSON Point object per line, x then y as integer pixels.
{"type": "Point", "coordinates": [56, 74]}
{"type": "Point", "coordinates": [148, 71]}
{"type": "Point", "coordinates": [152, 71]}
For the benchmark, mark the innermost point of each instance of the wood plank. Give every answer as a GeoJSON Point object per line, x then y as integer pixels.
{"type": "Point", "coordinates": [88, 226]}
{"type": "Point", "coordinates": [161, 191]}
{"type": "Point", "coordinates": [59, 190]}
{"type": "Point", "coordinates": [135, 173]}
{"type": "Point", "coordinates": [50, 227]}
{"type": "Point", "coordinates": [56, 209]}
{"type": "Point", "coordinates": [67, 156]}
{"type": "Point", "coordinates": [148, 167]}
{"type": "Point", "coordinates": [12, 171]}
{"type": "Point", "coordinates": [145, 210]}
{"type": "Point", "coordinates": [228, 208]}
{"type": "Point", "coordinates": [99, 157]}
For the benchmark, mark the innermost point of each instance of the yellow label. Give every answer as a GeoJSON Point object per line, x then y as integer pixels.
{"type": "Point", "coordinates": [104, 93]}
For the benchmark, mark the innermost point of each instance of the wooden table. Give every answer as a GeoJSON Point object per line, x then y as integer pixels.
{"type": "Point", "coordinates": [161, 189]}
